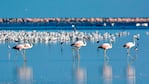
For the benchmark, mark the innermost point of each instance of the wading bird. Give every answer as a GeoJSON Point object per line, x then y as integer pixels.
{"type": "Point", "coordinates": [23, 46]}
{"type": "Point", "coordinates": [129, 45]}
{"type": "Point", "coordinates": [74, 27]}
{"type": "Point", "coordinates": [79, 44]}
{"type": "Point", "coordinates": [105, 47]}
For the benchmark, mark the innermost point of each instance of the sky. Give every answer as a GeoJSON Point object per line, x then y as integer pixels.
{"type": "Point", "coordinates": [73, 8]}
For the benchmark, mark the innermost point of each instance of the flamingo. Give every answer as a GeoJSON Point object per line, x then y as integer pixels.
{"type": "Point", "coordinates": [130, 45]}
{"type": "Point", "coordinates": [23, 46]}
{"type": "Point", "coordinates": [105, 47]}
{"type": "Point", "coordinates": [79, 44]}
{"type": "Point", "coordinates": [74, 27]}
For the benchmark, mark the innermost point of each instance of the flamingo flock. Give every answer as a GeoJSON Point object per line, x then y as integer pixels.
{"type": "Point", "coordinates": [77, 40]}
{"type": "Point", "coordinates": [58, 36]}
{"type": "Point", "coordinates": [26, 39]}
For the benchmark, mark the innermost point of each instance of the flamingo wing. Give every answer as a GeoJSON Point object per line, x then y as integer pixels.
{"type": "Point", "coordinates": [77, 44]}
{"type": "Point", "coordinates": [105, 46]}
{"type": "Point", "coordinates": [27, 46]}
{"type": "Point", "coordinates": [19, 46]}
{"type": "Point", "coordinates": [129, 45]}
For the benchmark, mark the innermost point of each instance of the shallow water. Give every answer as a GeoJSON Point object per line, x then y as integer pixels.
{"type": "Point", "coordinates": [53, 63]}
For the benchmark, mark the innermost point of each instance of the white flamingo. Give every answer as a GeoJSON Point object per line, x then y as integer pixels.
{"type": "Point", "coordinates": [23, 46]}
{"type": "Point", "coordinates": [74, 27]}
{"type": "Point", "coordinates": [130, 45]}
{"type": "Point", "coordinates": [79, 44]}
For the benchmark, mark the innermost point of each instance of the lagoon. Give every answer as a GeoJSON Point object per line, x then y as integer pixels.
{"type": "Point", "coordinates": [52, 63]}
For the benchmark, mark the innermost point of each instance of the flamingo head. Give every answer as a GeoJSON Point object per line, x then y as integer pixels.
{"type": "Point", "coordinates": [111, 41]}
{"type": "Point", "coordinates": [84, 41]}
{"type": "Point", "coordinates": [136, 37]}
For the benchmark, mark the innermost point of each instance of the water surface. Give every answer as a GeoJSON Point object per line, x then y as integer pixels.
{"type": "Point", "coordinates": [61, 64]}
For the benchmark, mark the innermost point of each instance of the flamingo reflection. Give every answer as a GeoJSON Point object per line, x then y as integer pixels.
{"type": "Point", "coordinates": [24, 74]}
{"type": "Point", "coordinates": [107, 73]}
{"type": "Point", "coordinates": [130, 71]}
{"type": "Point", "coordinates": [79, 73]}
{"type": "Point", "coordinates": [131, 74]}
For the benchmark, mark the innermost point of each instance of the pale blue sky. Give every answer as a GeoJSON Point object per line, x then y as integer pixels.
{"type": "Point", "coordinates": [74, 8]}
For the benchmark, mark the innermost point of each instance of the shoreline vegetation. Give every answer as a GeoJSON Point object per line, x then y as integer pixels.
{"type": "Point", "coordinates": [60, 22]}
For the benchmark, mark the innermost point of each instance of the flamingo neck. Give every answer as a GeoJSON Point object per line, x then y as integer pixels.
{"type": "Point", "coordinates": [31, 45]}
{"type": "Point", "coordinates": [134, 41]}
{"type": "Point", "coordinates": [85, 43]}
{"type": "Point", "coordinates": [111, 44]}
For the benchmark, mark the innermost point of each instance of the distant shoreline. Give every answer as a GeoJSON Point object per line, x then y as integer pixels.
{"type": "Point", "coordinates": [59, 23]}
{"type": "Point", "coordinates": [71, 20]}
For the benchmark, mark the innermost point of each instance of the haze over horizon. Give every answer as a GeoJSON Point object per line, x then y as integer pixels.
{"type": "Point", "coordinates": [73, 8]}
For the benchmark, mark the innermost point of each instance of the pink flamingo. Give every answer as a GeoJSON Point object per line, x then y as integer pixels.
{"type": "Point", "coordinates": [78, 45]}
{"type": "Point", "coordinates": [105, 47]}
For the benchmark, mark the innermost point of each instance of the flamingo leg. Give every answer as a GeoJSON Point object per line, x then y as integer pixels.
{"type": "Point", "coordinates": [24, 52]}
{"type": "Point", "coordinates": [107, 58]}
{"type": "Point", "coordinates": [16, 55]}
{"type": "Point", "coordinates": [128, 51]}
{"type": "Point", "coordinates": [73, 54]}
{"type": "Point", "coordinates": [136, 54]}
{"type": "Point", "coordinates": [61, 50]}
{"type": "Point", "coordinates": [104, 52]}
{"type": "Point", "coordinates": [133, 58]}
{"type": "Point", "coordinates": [105, 55]}
{"type": "Point", "coordinates": [9, 56]}
{"type": "Point", "coordinates": [24, 55]}
{"type": "Point", "coordinates": [78, 54]}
